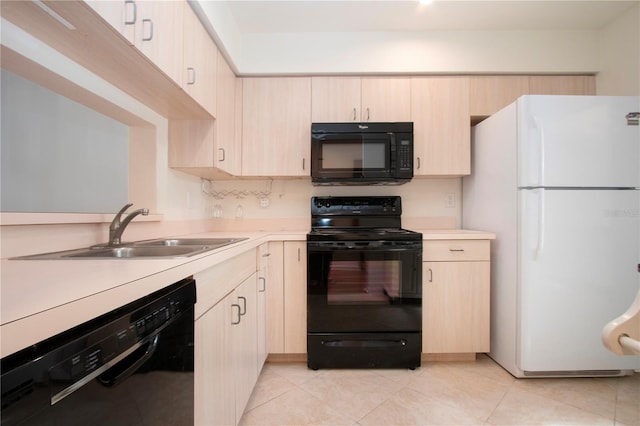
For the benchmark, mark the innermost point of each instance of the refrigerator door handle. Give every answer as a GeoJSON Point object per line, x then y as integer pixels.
{"type": "Point", "coordinates": [541, 225]}
{"type": "Point", "coordinates": [541, 150]}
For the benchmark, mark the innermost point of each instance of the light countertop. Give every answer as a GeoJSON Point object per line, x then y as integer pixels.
{"type": "Point", "coordinates": [40, 298]}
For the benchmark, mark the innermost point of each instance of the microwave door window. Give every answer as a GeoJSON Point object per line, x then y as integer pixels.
{"type": "Point", "coordinates": [355, 156]}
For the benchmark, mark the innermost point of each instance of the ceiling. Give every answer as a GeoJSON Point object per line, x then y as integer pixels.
{"type": "Point", "coordinates": [398, 15]}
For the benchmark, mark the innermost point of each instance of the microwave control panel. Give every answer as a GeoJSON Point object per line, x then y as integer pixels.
{"type": "Point", "coordinates": [404, 155]}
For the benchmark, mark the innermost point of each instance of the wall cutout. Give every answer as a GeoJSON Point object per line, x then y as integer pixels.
{"type": "Point", "coordinates": [57, 155]}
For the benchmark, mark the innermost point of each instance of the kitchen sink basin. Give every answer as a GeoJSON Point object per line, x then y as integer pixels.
{"type": "Point", "coordinates": [162, 248]}
{"type": "Point", "coordinates": [177, 242]}
{"type": "Point", "coordinates": [128, 252]}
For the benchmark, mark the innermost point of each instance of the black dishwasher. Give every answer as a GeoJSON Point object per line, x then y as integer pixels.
{"type": "Point", "coordinates": [131, 366]}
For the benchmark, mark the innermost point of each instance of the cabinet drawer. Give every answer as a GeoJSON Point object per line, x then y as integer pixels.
{"type": "Point", "coordinates": [455, 250]}
{"type": "Point", "coordinates": [216, 282]}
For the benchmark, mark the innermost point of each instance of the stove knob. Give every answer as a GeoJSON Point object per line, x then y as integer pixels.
{"type": "Point", "coordinates": [327, 204]}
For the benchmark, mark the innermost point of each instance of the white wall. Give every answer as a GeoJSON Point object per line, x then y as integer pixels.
{"type": "Point", "coordinates": [619, 56]}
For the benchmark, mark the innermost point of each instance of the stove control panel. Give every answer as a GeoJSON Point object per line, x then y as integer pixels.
{"type": "Point", "coordinates": [367, 206]}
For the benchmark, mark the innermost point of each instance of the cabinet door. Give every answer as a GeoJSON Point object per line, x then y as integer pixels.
{"type": "Point", "coordinates": [200, 56]}
{"type": "Point", "coordinates": [335, 99]}
{"type": "Point", "coordinates": [441, 131]}
{"type": "Point", "coordinates": [244, 320]}
{"type": "Point", "coordinates": [121, 15]}
{"type": "Point", "coordinates": [455, 307]}
{"type": "Point", "coordinates": [489, 94]}
{"type": "Point", "coordinates": [159, 34]}
{"type": "Point", "coordinates": [227, 153]}
{"type": "Point", "coordinates": [276, 126]}
{"type": "Point", "coordinates": [214, 378]}
{"type": "Point", "coordinates": [386, 99]}
{"type": "Point", "coordinates": [261, 303]}
{"type": "Point", "coordinates": [275, 298]}
{"type": "Point", "coordinates": [295, 297]}
{"type": "Point", "coordinates": [562, 85]}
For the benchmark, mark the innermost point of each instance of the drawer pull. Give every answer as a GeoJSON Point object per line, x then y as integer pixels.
{"type": "Point", "coordinates": [430, 275]}
{"type": "Point", "coordinates": [456, 250]}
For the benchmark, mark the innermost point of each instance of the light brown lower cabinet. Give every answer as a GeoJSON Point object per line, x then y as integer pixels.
{"type": "Point", "coordinates": [456, 297]}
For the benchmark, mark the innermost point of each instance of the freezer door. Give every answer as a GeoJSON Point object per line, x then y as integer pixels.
{"type": "Point", "coordinates": [578, 141]}
{"type": "Point", "coordinates": [577, 270]}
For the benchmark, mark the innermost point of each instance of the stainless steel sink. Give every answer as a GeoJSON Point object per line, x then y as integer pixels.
{"type": "Point", "coordinates": [161, 248]}
{"type": "Point", "coordinates": [135, 252]}
{"type": "Point", "coordinates": [209, 242]}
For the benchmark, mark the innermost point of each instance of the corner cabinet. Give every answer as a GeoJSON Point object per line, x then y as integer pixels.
{"type": "Point", "coordinates": [456, 297]}
{"type": "Point", "coordinates": [441, 133]}
{"type": "Point", "coordinates": [276, 126]}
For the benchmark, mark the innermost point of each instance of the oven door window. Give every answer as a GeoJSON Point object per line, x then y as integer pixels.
{"type": "Point", "coordinates": [363, 281]}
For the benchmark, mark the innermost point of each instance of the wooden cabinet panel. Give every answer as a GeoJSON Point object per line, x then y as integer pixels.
{"type": "Point", "coordinates": [295, 297]}
{"type": "Point", "coordinates": [245, 332]}
{"type": "Point", "coordinates": [386, 99]}
{"type": "Point", "coordinates": [159, 35]}
{"type": "Point", "coordinates": [455, 307]}
{"type": "Point", "coordinates": [455, 250]}
{"type": "Point", "coordinates": [440, 115]}
{"type": "Point", "coordinates": [276, 126]}
{"type": "Point", "coordinates": [275, 298]}
{"type": "Point", "coordinates": [489, 94]}
{"type": "Point", "coordinates": [200, 56]}
{"type": "Point", "coordinates": [335, 99]}
{"type": "Point", "coordinates": [120, 15]}
{"type": "Point", "coordinates": [214, 378]}
{"type": "Point", "coordinates": [562, 85]}
{"type": "Point", "coordinates": [227, 146]}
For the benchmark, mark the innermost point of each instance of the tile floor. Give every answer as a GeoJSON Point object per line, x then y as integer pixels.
{"type": "Point", "coordinates": [439, 393]}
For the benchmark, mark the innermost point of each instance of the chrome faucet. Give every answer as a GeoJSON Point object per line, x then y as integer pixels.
{"type": "Point", "coordinates": [117, 227]}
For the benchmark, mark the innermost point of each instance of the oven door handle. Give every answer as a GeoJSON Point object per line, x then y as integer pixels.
{"type": "Point", "coordinates": [363, 343]}
{"type": "Point", "coordinates": [109, 380]}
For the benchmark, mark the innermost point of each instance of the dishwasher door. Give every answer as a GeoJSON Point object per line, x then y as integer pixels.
{"type": "Point", "coordinates": [132, 366]}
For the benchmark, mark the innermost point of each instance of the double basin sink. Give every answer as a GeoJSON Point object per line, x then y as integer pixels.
{"type": "Point", "coordinates": [161, 248]}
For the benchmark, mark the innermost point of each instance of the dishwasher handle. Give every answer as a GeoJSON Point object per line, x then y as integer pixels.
{"type": "Point", "coordinates": [129, 365]}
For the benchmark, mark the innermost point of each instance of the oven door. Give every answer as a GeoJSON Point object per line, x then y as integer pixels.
{"type": "Point", "coordinates": [364, 286]}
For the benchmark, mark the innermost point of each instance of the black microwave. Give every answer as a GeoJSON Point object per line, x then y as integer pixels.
{"type": "Point", "coordinates": [361, 153]}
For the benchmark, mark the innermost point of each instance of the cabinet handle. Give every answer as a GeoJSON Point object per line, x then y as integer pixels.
{"type": "Point", "coordinates": [418, 166]}
{"type": "Point", "coordinates": [304, 164]}
{"type": "Point", "coordinates": [191, 75]}
{"type": "Point", "coordinates": [134, 14]}
{"type": "Point", "coordinates": [243, 311]}
{"type": "Point", "coordinates": [456, 250]}
{"type": "Point", "coordinates": [264, 284]}
{"type": "Point", "coordinates": [223, 155]}
{"type": "Point", "coordinates": [354, 114]}
{"type": "Point", "coordinates": [150, 26]}
{"type": "Point", "coordinates": [298, 254]}
{"type": "Point", "coordinates": [239, 314]}
{"type": "Point", "coordinates": [430, 275]}
{"type": "Point", "coordinates": [266, 255]}
{"type": "Point", "coordinates": [367, 114]}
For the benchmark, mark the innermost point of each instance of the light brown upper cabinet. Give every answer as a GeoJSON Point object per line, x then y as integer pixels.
{"type": "Point", "coordinates": [200, 56]}
{"type": "Point", "coordinates": [562, 85]}
{"type": "Point", "coordinates": [489, 94]}
{"type": "Point", "coordinates": [227, 134]}
{"type": "Point", "coordinates": [276, 126]}
{"type": "Point", "coordinates": [360, 99]}
{"type": "Point", "coordinates": [121, 15]}
{"type": "Point", "coordinates": [440, 115]}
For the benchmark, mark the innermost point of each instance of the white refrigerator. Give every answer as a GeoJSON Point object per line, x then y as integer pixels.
{"type": "Point", "coordinates": [557, 178]}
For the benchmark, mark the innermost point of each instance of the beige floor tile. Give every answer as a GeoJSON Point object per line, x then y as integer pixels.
{"type": "Point", "coordinates": [269, 386]}
{"type": "Point", "coordinates": [295, 407]}
{"type": "Point", "coordinates": [628, 400]}
{"type": "Point", "coordinates": [595, 395]}
{"type": "Point", "coordinates": [520, 407]}
{"type": "Point", "coordinates": [473, 393]}
{"type": "Point", "coordinates": [409, 407]}
{"type": "Point", "coordinates": [297, 372]}
{"type": "Point", "coordinates": [353, 393]}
